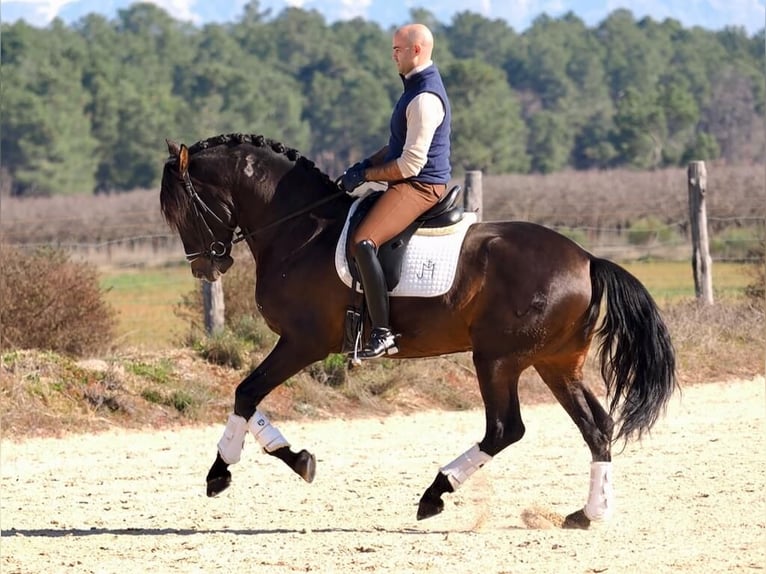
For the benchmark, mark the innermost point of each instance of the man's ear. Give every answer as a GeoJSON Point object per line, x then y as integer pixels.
{"type": "Point", "coordinates": [183, 159]}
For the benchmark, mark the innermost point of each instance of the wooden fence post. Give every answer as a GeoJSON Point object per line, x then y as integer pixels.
{"type": "Point", "coordinates": [702, 265]}
{"type": "Point", "coordinates": [472, 194]}
{"type": "Point", "coordinates": [212, 299]}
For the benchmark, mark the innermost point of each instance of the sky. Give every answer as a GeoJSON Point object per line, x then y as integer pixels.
{"type": "Point", "coordinates": [709, 14]}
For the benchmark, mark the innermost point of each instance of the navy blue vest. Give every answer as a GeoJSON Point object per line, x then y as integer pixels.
{"type": "Point", "coordinates": [437, 168]}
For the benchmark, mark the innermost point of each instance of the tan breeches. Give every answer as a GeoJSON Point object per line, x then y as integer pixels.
{"type": "Point", "coordinates": [395, 210]}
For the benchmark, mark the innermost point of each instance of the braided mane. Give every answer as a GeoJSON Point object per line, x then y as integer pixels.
{"type": "Point", "coordinates": [257, 140]}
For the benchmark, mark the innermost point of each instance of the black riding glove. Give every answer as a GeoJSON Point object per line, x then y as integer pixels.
{"type": "Point", "coordinates": [353, 177]}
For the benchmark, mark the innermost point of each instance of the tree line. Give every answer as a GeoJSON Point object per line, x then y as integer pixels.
{"type": "Point", "coordinates": [87, 106]}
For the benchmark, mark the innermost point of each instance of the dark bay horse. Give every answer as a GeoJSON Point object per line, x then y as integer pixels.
{"type": "Point", "coordinates": [523, 296]}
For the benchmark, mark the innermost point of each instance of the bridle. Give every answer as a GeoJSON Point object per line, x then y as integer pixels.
{"type": "Point", "coordinates": [219, 249]}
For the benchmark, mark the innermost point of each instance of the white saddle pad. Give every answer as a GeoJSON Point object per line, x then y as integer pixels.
{"type": "Point", "coordinates": [429, 264]}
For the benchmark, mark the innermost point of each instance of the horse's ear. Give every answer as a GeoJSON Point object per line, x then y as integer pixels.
{"type": "Point", "coordinates": [183, 159]}
{"type": "Point", "coordinates": [173, 148]}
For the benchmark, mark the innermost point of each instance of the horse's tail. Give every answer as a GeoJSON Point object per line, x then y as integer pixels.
{"type": "Point", "coordinates": [637, 357]}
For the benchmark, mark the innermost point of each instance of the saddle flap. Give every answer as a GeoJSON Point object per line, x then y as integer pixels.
{"type": "Point", "coordinates": [418, 262]}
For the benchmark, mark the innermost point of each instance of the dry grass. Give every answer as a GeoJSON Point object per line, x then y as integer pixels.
{"type": "Point", "coordinates": [44, 393]}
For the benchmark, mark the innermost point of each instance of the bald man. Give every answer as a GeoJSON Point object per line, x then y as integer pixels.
{"type": "Point", "coordinates": [416, 166]}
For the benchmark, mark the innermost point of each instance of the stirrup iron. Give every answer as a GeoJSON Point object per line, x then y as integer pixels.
{"type": "Point", "coordinates": [382, 342]}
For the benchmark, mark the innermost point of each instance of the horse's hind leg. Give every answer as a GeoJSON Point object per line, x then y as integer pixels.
{"type": "Point", "coordinates": [596, 427]}
{"type": "Point", "coordinates": [498, 381]}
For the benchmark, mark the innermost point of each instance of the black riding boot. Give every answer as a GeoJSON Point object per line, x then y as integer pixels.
{"type": "Point", "coordinates": [382, 341]}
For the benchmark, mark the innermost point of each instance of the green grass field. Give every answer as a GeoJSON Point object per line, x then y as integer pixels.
{"type": "Point", "coordinates": [145, 298]}
{"type": "Point", "coordinates": [670, 281]}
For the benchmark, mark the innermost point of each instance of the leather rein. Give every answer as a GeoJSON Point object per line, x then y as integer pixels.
{"type": "Point", "coordinates": [219, 249]}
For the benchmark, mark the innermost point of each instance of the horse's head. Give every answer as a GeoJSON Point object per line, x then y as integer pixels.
{"type": "Point", "coordinates": [194, 203]}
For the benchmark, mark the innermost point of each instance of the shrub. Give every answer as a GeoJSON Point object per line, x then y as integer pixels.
{"type": "Point", "coordinates": [223, 349]}
{"type": "Point", "coordinates": [649, 230]}
{"type": "Point", "coordinates": [734, 243]}
{"type": "Point", "coordinates": [756, 291]}
{"type": "Point", "coordinates": [48, 302]}
{"type": "Point", "coordinates": [331, 371]}
{"type": "Point", "coordinates": [243, 322]}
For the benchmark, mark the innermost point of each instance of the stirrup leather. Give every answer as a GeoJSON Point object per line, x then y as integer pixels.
{"type": "Point", "coordinates": [382, 342]}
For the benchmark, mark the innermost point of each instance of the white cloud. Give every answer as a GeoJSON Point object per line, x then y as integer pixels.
{"type": "Point", "coordinates": [43, 11]}
{"type": "Point", "coordinates": [178, 9]}
{"type": "Point", "coordinates": [710, 14]}
{"type": "Point", "coordinates": [354, 9]}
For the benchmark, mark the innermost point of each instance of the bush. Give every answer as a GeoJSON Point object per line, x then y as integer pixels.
{"type": "Point", "coordinates": [242, 320]}
{"type": "Point", "coordinates": [649, 230]}
{"type": "Point", "coordinates": [48, 302]}
{"type": "Point", "coordinates": [756, 291]}
{"type": "Point", "coordinates": [734, 243]}
{"type": "Point", "coordinates": [331, 371]}
{"type": "Point", "coordinates": [223, 349]}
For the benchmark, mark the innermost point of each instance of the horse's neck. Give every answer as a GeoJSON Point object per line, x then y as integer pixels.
{"type": "Point", "coordinates": [285, 222]}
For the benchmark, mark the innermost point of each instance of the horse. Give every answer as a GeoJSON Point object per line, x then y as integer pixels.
{"type": "Point", "coordinates": [523, 296]}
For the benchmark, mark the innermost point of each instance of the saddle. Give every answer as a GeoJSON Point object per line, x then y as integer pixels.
{"type": "Point", "coordinates": [445, 213]}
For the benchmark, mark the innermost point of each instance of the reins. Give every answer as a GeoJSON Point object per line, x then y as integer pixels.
{"type": "Point", "coordinates": [219, 248]}
{"type": "Point", "coordinates": [243, 235]}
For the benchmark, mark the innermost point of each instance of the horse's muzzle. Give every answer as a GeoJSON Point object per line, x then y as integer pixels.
{"type": "Point", "coordinates": [211, 269]}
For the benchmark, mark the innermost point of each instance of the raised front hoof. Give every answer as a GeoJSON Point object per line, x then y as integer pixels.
{"type": "Point", "coordinates": [216, 485]}
{"type": "Point", "coordinates": [306, 465]}
{"type": "Point", "coordinates": [218, 477]}
{"type": "Point", "coordinates": [577, 520]}
{"type": "Point", "coordinates": [429, 507]}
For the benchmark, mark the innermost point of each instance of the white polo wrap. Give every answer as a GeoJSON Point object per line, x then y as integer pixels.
{"type": "Point", "coordinates": [600, 505]}
{"type": "Point", "coordinates": [267, 436]}
{"type": "Point", "coordinates": [458, 471]}
{"type": "Point", "coordinates": [233, 439]}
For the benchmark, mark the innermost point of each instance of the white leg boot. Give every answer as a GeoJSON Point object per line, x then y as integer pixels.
{"type": "Point", "coordinates": [267, 436]}
{"type": "Point", "coordinates": [233, 439]}
{"type": "Point", "coordinates": [600, 505]}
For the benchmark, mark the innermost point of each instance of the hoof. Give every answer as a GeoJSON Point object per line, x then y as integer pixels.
{"type": "Point", "coordinates": [216, 485]}
{"type": "Point", "coordinates": [218, 477]}
{"type": "Point", "coordinates": [429, 507]}
{"type": "Point", "coordinates": [577, 520]}
{"type": "Point", "coordinates": [306, 465]}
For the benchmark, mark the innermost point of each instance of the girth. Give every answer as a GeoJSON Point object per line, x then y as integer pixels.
{"type": "Point", "coordinates": [391, 254]}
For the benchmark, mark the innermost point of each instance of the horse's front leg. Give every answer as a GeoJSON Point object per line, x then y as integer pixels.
{"type": "Point", "coordinates": [284, 361]}
{"type": "Point", "coordinates": [498, 380]}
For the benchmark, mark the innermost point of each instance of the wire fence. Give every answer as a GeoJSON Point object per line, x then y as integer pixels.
{"type": "Point", "coordinates": [737, 243]}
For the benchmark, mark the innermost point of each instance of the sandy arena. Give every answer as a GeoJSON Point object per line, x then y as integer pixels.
{"type": "Point", "coordinates": [690, 498]}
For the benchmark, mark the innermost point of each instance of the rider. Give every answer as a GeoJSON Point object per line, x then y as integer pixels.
{"type": "Point", "coordinates": [416, 166]}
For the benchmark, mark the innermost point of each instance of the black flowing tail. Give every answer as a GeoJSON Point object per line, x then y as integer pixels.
{"type": "Point", "coordinates": [637, 358]}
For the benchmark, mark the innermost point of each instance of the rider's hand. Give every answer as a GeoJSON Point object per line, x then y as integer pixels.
{"type": "Point", "coordinates": [353, 177]}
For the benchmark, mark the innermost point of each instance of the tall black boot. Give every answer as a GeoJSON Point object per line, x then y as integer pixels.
{"type": "Point", "coordinates": [382, 340]}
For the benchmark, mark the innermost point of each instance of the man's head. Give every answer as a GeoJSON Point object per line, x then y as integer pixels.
{"type": "Point", "coordinates": [412, 46]}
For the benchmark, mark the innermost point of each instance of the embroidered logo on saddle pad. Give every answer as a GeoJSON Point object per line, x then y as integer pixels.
{"type": "Point", "coordinates": [430, 260]}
